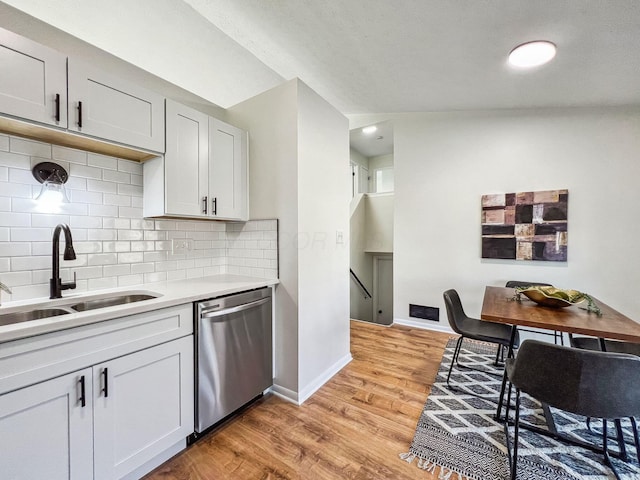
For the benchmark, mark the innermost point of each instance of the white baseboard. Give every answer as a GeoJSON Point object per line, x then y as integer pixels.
{"type": "Point", "coordinates": [320, 380]}
{"type": "Point", "coordinates": [284, 393]}
{"type": "Point", "coordinates": [299, 397]}
{"type": "Point", "coordinates": [423, 325]}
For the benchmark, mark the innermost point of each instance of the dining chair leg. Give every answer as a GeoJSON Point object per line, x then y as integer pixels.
{"type": "Point", "coordinates": [605, 449]}
{"type": "Point", "coordinates": [498, 414]}
{"type": "Point", "coordinates": [636, 436]}
{"type": "Point", "coordinates": [514, 463]}
{"type": "Point", "coordinates": [622, 446]}
{"type": "Point", "coordinates": [495, 362]}
{"type": "Point", "coordinates": [453, 359]}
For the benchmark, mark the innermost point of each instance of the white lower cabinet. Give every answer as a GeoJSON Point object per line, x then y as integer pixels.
{"type": "Point", "coordinates": [143, 405]}
{"type": "Point", "coordinates": [102, 422]}
{"type": "Point", "coordinates": [46, 432]}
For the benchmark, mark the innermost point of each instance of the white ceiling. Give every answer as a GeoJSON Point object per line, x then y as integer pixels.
{"type": "Point", "coordinates": [368, 56]}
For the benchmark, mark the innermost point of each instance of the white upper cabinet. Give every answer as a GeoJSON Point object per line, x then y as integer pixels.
{"type": "Point", "coordinates": [104, 106]}
{"type": "Point", "coordinates": [227, 170]}
{"type": "Point", "coordinates": [186, 161]}
{"type": "Point", "coordinates": [33, 81]}
{"type": "Point", "coordinates": [204, 171]}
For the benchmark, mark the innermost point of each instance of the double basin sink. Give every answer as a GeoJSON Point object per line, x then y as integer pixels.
{"type": "Point", "coordinates": [43, 310]}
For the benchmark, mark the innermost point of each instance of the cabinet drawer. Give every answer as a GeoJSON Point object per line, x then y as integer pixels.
{"type": "Point", "coordinates": [30, 360]}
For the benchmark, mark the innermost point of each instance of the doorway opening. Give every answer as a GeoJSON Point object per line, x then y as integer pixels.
{"type": "Point", "coordinates": [371, 249]}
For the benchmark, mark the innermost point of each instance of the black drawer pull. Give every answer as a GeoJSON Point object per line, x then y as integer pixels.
{"type": "Point", "coordinates": [105, 388]}
{"type": "Point", "coordinates": [83, 398]}
{"type": "Point", "coordinates": [58, 112]}
{"type": "Point", "coordinates": [80, 114]}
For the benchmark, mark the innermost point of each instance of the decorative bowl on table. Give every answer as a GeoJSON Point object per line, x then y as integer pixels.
{"type": "Point", "coordinates": [553, 297]}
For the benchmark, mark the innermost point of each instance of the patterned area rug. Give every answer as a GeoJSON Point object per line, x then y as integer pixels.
{"type": "Point", "coordinates": [457, 437]}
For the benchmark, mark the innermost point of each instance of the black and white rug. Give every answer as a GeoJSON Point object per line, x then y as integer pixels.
{"type": "Point", "coordinates": [457, 437]}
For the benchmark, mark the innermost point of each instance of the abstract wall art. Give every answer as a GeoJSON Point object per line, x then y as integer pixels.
{"type": "Point", "coordinates": [525, 225]}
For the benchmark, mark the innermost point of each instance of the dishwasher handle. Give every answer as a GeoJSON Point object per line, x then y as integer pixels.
{"type": "Point", "coordinates": [239, 308]}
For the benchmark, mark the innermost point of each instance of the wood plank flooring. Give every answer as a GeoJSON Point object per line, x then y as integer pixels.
{"type": "Point", "coordinates": [354, 427]}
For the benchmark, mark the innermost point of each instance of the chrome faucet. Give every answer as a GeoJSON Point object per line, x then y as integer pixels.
{"type": "Point", "coordinates": [5, 288]}
{"type": "Point", "coordinates": [55, 284]}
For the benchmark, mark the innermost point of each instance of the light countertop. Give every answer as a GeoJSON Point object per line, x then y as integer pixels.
{"type": "Point", "coordinates": [171, 293]}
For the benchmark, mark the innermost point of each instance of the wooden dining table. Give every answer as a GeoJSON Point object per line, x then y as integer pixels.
{"type": "Point", "coordinates": [500, 306]}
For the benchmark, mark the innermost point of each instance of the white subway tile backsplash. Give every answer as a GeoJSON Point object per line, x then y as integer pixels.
{"type": "Point", "coordinates": [29, 147]}
{"type": "Point", "coordinates": [100, 186]}
{"type": "Point", "coordinates": [102, 161]}
{"type": "Point", "coordinates": [81, 196]}
{"type": "Point", "coordinates": [29, 263]}
{"type": "Point", "coordinates": [69, 155]}
{"type": "Point", "coordinates": [102, 259]}
{"type": "Point", "coordinates": [114, 245]}
{"type": "Point", "coordinates": [115, 176]}
{"type": "Point", "coordinates": [100, 283]}
{"type": "Point", "coordinates": [130, 212]}
{"type": "Point", "coordinates": [103, 210]}
{"type": "Point", "coordinates": [118, 200]}
{"type": "Point", "coordinates": [15, 249]}
{"type": "Point", "coordinates": [29, 234]}
{"type": "Point", "coordinates": [48, 220]}
{"type": "Point", "coordinates": [15, 160]}
{"type": "Point", "coordinates": [17, 175]}
{"type": "Point", "coordinates": [15, 190]}
{"type": "Point", "coordinates": [130, 166]}
{"type": "Point", "coordinates": [85, 222]}
{"type": "Point", "coordinates": [85, 171]}
{"type": "Point", "coordinates": [124, 189]}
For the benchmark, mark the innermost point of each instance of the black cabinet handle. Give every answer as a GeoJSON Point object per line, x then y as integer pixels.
{"type": "Point", "coordinates": [83, 398]}
{"type": "Point", "coordinates": [204, 204]}
{"type": "Point", "coordinates": [80, 114]}
{"type": "Point", "coordinates": [58, 110]}
{"type": "Point", "coordinates": [214, 205]}
{"type": "Point", "coordinates": [105, 388]}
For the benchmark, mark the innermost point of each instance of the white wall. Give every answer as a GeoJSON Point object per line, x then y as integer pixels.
{"type": "Point", "coordinates": [324, 193]}
{"type": "Point", "coordinates": [292, 132]}
{"type": "Point", "coordinates": [445, 162]}
{"type": "Point", "coordinates": [377, 163]}
{"type": "Point", "coordinates": [272, 120]}
{"type": "Point", "coordinates": [379, 222]}
{"type": "Point", "coordinates": [164, 37]}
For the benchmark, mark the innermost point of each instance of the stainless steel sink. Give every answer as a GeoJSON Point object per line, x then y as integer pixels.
{"type": "Point", "coordinates": [110, 301]}
{"type": "Point", "coordinates": [28, 315]}
{"type": "Point", "coordinates": [61, 307]}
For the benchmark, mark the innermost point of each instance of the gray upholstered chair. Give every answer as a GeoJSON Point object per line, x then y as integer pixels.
{"type": "Point", "coordinates": [591, 343]}
{"type": "Point", "coordinates": [593, 384]}
{"type": "Point", "coordinates": [518, 283]}
{"type": "Point", "coordinates": [473, 328]}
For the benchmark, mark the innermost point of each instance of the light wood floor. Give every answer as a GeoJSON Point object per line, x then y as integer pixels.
{"type": "Point", "coordinates": [354, 427]}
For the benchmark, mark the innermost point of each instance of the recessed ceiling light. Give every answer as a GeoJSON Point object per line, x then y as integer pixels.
{"type": "Point", "coordinates": [532, 54]}
{"type": "Point", "coordinates": [369, 130]}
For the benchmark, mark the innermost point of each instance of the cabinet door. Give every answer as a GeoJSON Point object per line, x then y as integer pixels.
{"type": "Point", "coordinates": [143, 405]}
{"type": "Point", "coordinates": [46, 432]}
{"type": "Point", "coordinates": [108, 107]}
{"type": "Point", "coordinates": [186, 161]}
{"type": "Point", "coordinates": [33, 82]}
{"type": "Point", "coordinates": [227, 170]}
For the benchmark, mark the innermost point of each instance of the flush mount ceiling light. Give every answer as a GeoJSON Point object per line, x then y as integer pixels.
{"type": "Point", "coordinates": [52, 177]}
{"type": "Point", "coordinates": [369, 130]}
{"type": "Point", "coordinates": [532, 54]}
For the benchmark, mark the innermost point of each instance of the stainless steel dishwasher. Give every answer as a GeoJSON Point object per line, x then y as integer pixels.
{"type": "Point", "coordinates": [233, 354]}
